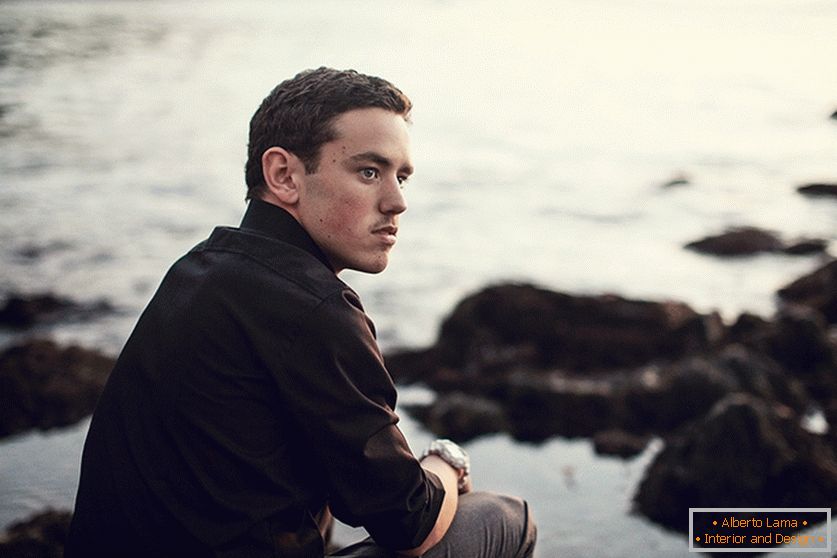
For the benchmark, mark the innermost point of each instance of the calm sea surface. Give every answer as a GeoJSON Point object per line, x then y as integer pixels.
{"type": "Point", "coordinates": [542, 133]}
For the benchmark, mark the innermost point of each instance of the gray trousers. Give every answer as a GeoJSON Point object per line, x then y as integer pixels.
{"type": "Point", "coordinates": [486, 525]}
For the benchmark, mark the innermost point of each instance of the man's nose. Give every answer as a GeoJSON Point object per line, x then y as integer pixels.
{"type": "Point", "coordinates": [393, 201]}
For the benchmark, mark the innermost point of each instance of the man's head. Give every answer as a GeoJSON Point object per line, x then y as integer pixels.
{"type": "Point", "coordinates": [336, 166]}
{"type": "Point", "coordinates": [298, 115]}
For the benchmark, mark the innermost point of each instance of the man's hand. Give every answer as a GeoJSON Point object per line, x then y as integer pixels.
{"type": "Point", "coordinates": [465, 486]}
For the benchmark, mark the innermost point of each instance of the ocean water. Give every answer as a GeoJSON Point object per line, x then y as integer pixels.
{"type": "Point", "coordinates": [542, 133]}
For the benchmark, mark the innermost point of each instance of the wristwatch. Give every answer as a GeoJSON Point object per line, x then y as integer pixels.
{"type": "Point", "coordinates": [453, 455]}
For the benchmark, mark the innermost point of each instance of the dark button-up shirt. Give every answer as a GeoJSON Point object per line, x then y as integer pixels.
{"type": "Point", "coordinates": [250, 395]}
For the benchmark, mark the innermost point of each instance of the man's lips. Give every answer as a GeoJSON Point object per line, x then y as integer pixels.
{"type": "Point", "coordinates": [387, 229]}
{"type": "Point", "coordinates": [387, 233]}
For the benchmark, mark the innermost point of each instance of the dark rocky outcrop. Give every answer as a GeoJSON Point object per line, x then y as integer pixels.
{"type": "Point", "coordinates": [661, 400]}
{"type": "Point", "coordinates": [523, 326]}
{"type": "Point", "coordinates": [44, 385]}
{"type": "Point", "coordinates": [40, 536]}
{"type": "Point", "coordinates": [537, 364]}
{"type": "Point", "coordinates": [22, 311]}
{"type": "Point", "coordinates": [748, 241]}
{"type": "Point", "coordinates": [818, 190]}
{"type": "Point", "coordinates": [745, 450]}
{"type": "Point", "coordinates": [798, 339]}
{"type": "Point", "coordinates": [461, 416]}
{"type": "Point", "coordinates": [802, 344]}
{"type": "Point", "coordinates": [742, 241]}
{"type": "Point", "coordinates": [729, 401]}
{"type": "Point", "coordinates": [619, 443]}
{"type": "Point", "coordinates": [817, 290]}
{"type": "Point", "coordinates": [534, 405]}
{"type": "Point", "coordinates": [541, 405]}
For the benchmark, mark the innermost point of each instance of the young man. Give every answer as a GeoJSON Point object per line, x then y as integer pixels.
{"type": "Point", "coordinates": [251, 401]}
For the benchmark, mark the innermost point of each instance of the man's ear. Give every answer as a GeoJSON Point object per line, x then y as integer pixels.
{"type": "Point", "coordinates": [280, 168]}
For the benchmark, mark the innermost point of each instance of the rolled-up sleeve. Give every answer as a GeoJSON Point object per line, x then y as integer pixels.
{"type": "Point", "coordinates": [342, 398]}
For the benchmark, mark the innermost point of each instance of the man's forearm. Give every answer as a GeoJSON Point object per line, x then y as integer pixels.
{"type": "Point", "coordinates": [450, 479]}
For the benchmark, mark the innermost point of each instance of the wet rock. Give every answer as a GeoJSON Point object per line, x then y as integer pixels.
{"type": "Point", "coordinates": [830, 414]}
{"type": "Point", "coordinates": [802, 344]}
{"type": "Point", "coordinates": [667, 398]}
{"type": "Point", "coordinates": [677, 180]}
{"type": "Point", "coordinates": [539, 364]}
{"type": "Point", "coordinates": [806, 246]}
{"type": "Point", "coordinates": [38, 251]}
{"type": "Point", "coordinates": [44, 385]}
{"type": "Point", "coordinates": [508, 327]}
{"type": "Point", "coordinates": [461, 417]}
{"type": "Point", "coordinates": [744, 453]}
{"type": "Point", "coordinates": [742, 241]}
{"type": "Point", "coordinates": [660, 400]}
{"type": "Point", "coordinates": [747, 241]}
{"type": "Point", "coordinates": [409, 366]}
{"type": "Point", "coordinates": [539, 406]}
{"type": "Point", "coordinates": [534, 405]}
{"type": "Point", "coordinates": [619, 443]}
{"type": "Point", "coordinates": [817, 290]}
{"type": "Point", "coordinates": [757, 374]}
{"type": "Point", "coordinates": [530, 405]}
{"type": "Point", "coordinates": [22, 311]}
{"type": "Point", "coordinates": [40, 536]}
{"type": "Point", "coordinates": [748, 329]}
{"type": "Point", "coordinates": [799, 341]}
{"type": "Point", "coordinates": [818, 190]}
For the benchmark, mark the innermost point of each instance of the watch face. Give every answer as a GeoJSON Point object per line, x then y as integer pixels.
{"type": "Point", "coordinates": [451, 453]}
{"type": "Point", "coordinates": [457, 452]}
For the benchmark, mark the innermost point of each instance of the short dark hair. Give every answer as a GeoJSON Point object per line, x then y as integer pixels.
{"type": "Point", "coordinates": [298, 115]}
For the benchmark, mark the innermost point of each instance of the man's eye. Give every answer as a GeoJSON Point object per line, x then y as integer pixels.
{"type": "Point", "coordinates": [369, 174]}
{"type": "Point", "coordinates": [402, 180]}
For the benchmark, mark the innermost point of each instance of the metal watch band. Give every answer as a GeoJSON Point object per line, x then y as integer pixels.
{"type": "Point", "coordinates": [451, 454]}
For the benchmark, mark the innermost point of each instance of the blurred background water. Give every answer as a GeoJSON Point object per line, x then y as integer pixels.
{"type": "Point", "coordinates": [543, 131]}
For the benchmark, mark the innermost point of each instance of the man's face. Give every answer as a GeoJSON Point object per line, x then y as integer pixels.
{"type": "Point", "coordinates": [350, 206]}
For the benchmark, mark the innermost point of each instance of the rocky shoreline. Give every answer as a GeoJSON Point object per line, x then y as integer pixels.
{"type": "Point", "coordinates": [729, 402]}
{"type": "Point", "coordinates": [42, 535]}
{"type": "Point", "coordinates": [44, 385]}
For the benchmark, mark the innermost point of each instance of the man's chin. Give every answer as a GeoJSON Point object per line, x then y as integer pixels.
{"type": "Point", "coordinates": [372, 267]}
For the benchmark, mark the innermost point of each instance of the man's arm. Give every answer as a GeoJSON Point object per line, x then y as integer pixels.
{"type": "Point", "coordinates": [450, 480]}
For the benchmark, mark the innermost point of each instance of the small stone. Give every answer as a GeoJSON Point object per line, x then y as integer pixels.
{"type": "Point", "coordinates": [806, 246]}
{"type": "Point", "coordinates": [819, 189]}
{"type": "Point", "coordinates": [619, 443]}
{"type": "Point", "coordinates": [741, 241]}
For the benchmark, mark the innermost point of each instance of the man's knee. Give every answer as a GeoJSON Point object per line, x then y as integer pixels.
{"type": "Point", "coordinates": [508, 519]}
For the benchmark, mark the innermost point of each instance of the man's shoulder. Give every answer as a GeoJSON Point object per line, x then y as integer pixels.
{"type": "Point", "coordinates": [253, 260]}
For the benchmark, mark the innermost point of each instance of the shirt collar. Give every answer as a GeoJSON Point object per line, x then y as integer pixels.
{"type": "Point", "coordinates": [271, 220]}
